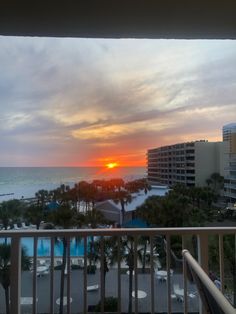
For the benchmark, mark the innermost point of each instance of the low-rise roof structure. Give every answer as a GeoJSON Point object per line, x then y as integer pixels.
{"type": "Point", "coordinates": [112, 210]}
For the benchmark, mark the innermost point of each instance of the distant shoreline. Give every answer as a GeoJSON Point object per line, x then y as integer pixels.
{"type": "Point", "coordinates": [6, 194]}
{"type": "Point", "coordinates": [24, 182]}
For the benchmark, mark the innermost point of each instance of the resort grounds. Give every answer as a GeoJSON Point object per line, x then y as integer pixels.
{"type": "Point", "coordinates": [93, 297]}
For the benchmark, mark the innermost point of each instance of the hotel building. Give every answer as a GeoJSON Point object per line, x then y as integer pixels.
{"type": "Point", "coordinates": [190, 163]}
{"type": "Point", "coordinates": [229, 136]}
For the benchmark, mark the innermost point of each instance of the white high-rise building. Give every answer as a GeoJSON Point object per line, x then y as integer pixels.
{"type": "Point", "coordinates": [229, 136]}
{"type": "Point", "coordinates": [190, 163]}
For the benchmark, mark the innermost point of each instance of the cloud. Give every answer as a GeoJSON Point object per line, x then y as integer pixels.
{"type": "Point", "coordinates": [77, 101]}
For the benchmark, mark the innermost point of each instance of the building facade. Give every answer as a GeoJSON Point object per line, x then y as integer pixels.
{"type": "Point", "coordinates": [190, 163]}
{"type": "Point", "coordinates": [229, 136]}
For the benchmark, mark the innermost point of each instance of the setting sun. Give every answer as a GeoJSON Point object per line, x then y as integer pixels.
{"type": "Point", "coordinates": [112, 165]}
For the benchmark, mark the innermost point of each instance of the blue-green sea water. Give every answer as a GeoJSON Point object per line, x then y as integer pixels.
{"type": "Point", "coordinates": [26, 181]}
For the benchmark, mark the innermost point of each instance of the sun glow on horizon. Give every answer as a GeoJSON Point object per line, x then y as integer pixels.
{"type": "Point", "coordinates": [112, 165]}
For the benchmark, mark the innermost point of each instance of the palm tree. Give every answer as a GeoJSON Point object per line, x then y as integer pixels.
{"type": "Point", "coordinates": [123, 197]}
{"type": "Point", "coordinates": [208, 181]}
{"type": "Point", "coordinates": [93, 217]}
{"type": "Point", "coordinates": [61, 194]}
{"type": "Point", "coordinates": [145, 185]}
{"type": "Point", "coordinates": [116, 184]}
{"type": "Point", "coordinates": [35, 214]}
{"type": "Point", "coordinates": [137, 185]}
{"type": "Point", "coordinates": [87, 193]}
{"type": "Point", "coordinates": [42, 197]}
{"type": "Point", "coordinates": [107, 245]}
{"type": "Point", "coordinates": [173, 210]}
{"type": "Point", "coordinates": [65, 217]}
{"type": "Point", "coordinates": [5, 266]}
{"type": "Point", "coordinates": [217, 181]}
{"type": "Point", "coordinates": [127, 255]}
{"type": "Point", "coordinates": [10, 210]}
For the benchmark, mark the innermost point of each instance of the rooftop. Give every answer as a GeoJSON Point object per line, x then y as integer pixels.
{"type": "Point", "coordinates": [137, 199]}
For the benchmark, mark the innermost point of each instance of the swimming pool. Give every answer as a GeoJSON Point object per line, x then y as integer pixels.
{"type": "Point", "coordinates": [44, 246]}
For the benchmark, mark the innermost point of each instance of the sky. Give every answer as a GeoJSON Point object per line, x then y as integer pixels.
{"type": "Point", "coordinates": [88, 102]}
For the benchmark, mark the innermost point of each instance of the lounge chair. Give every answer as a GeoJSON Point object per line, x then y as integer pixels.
{"type": "Point", "coordinates": [192, 295]}
{"type": "Point", "coordinates": [24, 225]}
{"type": "Point", "coordinates": [59, 262]}
{"type": "Point", "coordinates": [42, 270]}
{"type": "Point", "coordinates": [42, 262]}
{"type": "Point", "coordinates": [81, 261]}
{"type": "Point", "coordinates": [32, 226]}
{"type": "Point", "coordinates": [92, 288]}
{"type": "Point", "coordinates": [74, 261]}
{"type": "Point", "coordinates": [15, 227]}
{"type": "Point", "coordinates": [179, 293]}
{"type": "Point", "coordinates": [27, 300]}
{"type": "Point", "coordinates": [161, 278]}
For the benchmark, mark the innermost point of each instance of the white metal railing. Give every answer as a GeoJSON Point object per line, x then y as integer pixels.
{"type": "Point", "coordinates": [201, 234]}
{"type": "Point", "coordinates": [211, 296]}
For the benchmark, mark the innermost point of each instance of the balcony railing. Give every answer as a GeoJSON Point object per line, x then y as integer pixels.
{"type": "Point", "coordinates": [153, 291]}
{"type": "Point", "coordinates": [213, 300]}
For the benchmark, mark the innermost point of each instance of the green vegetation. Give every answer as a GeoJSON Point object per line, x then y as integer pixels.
{"type": "Point", "coordinates": [65, 217]}
{"type": "Point", "coordinates": [229, 261]}
{"type": "Point", "coordinates": [110, 305]}
{"type": "Point", "coordinates": [5, 266]}
{"type": "Point", "coordinates": [67, 207]}
{"type": "Point", "coordinates": [125, 250]}
{"type": "Point", "coordinates": [181, 207]}
{"type": "Point", "coordinates": [216, 182]}
{"type": "Point", "coordinates": [10, 211]}
{"type": "Point", "coordinates": [191, 207]}
{"type": "Point", "coordinates": [81, 199]}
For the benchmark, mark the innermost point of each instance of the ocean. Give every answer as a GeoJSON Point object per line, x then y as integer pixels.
{"type": "Point", "coordinates": [26, 181]}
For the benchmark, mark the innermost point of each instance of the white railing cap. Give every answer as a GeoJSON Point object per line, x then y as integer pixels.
{"type": "Point", "coordinates": [117, 232]}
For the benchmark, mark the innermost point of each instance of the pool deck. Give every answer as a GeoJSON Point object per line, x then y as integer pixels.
{"type": "Point", "coordinates": [144, 284]}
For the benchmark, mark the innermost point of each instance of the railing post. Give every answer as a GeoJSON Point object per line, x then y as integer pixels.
{"type": "Point", "coordinates": [119, 275]}
{"type": "Point", "coordinates": [68, 275]}
{"type": "Point", "coordinates": [152, 276]}
{"type": "Point", "coordinates": [52, 277]}
{"type": "Point", "coordinates": [202, 241]}
{"type": "Point", "coordinates": [202, 244]}
{"type": "Point", "coordinates": [221, 258]}
{"type": "Point", "coordinates": [102, 270]}
{"type": "Point", "coordinates": [34, 305]}
{"type": "Point", "coordinates": [85, 273]}
{"type": "Point", "coordinates": [168, 273]}
{"type": "Point", "coordinates": [15, 275]}
{"type": "Point", "coordinates": [135, 275]}
{"type": "Point", "coordinates": [185, 277]}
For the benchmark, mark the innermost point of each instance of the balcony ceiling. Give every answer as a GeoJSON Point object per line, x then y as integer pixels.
{"type": "Point", "coordinates": [196, 19]}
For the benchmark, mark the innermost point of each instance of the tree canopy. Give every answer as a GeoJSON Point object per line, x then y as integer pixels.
{"type": "Point", "coordinates": [181, 207]}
